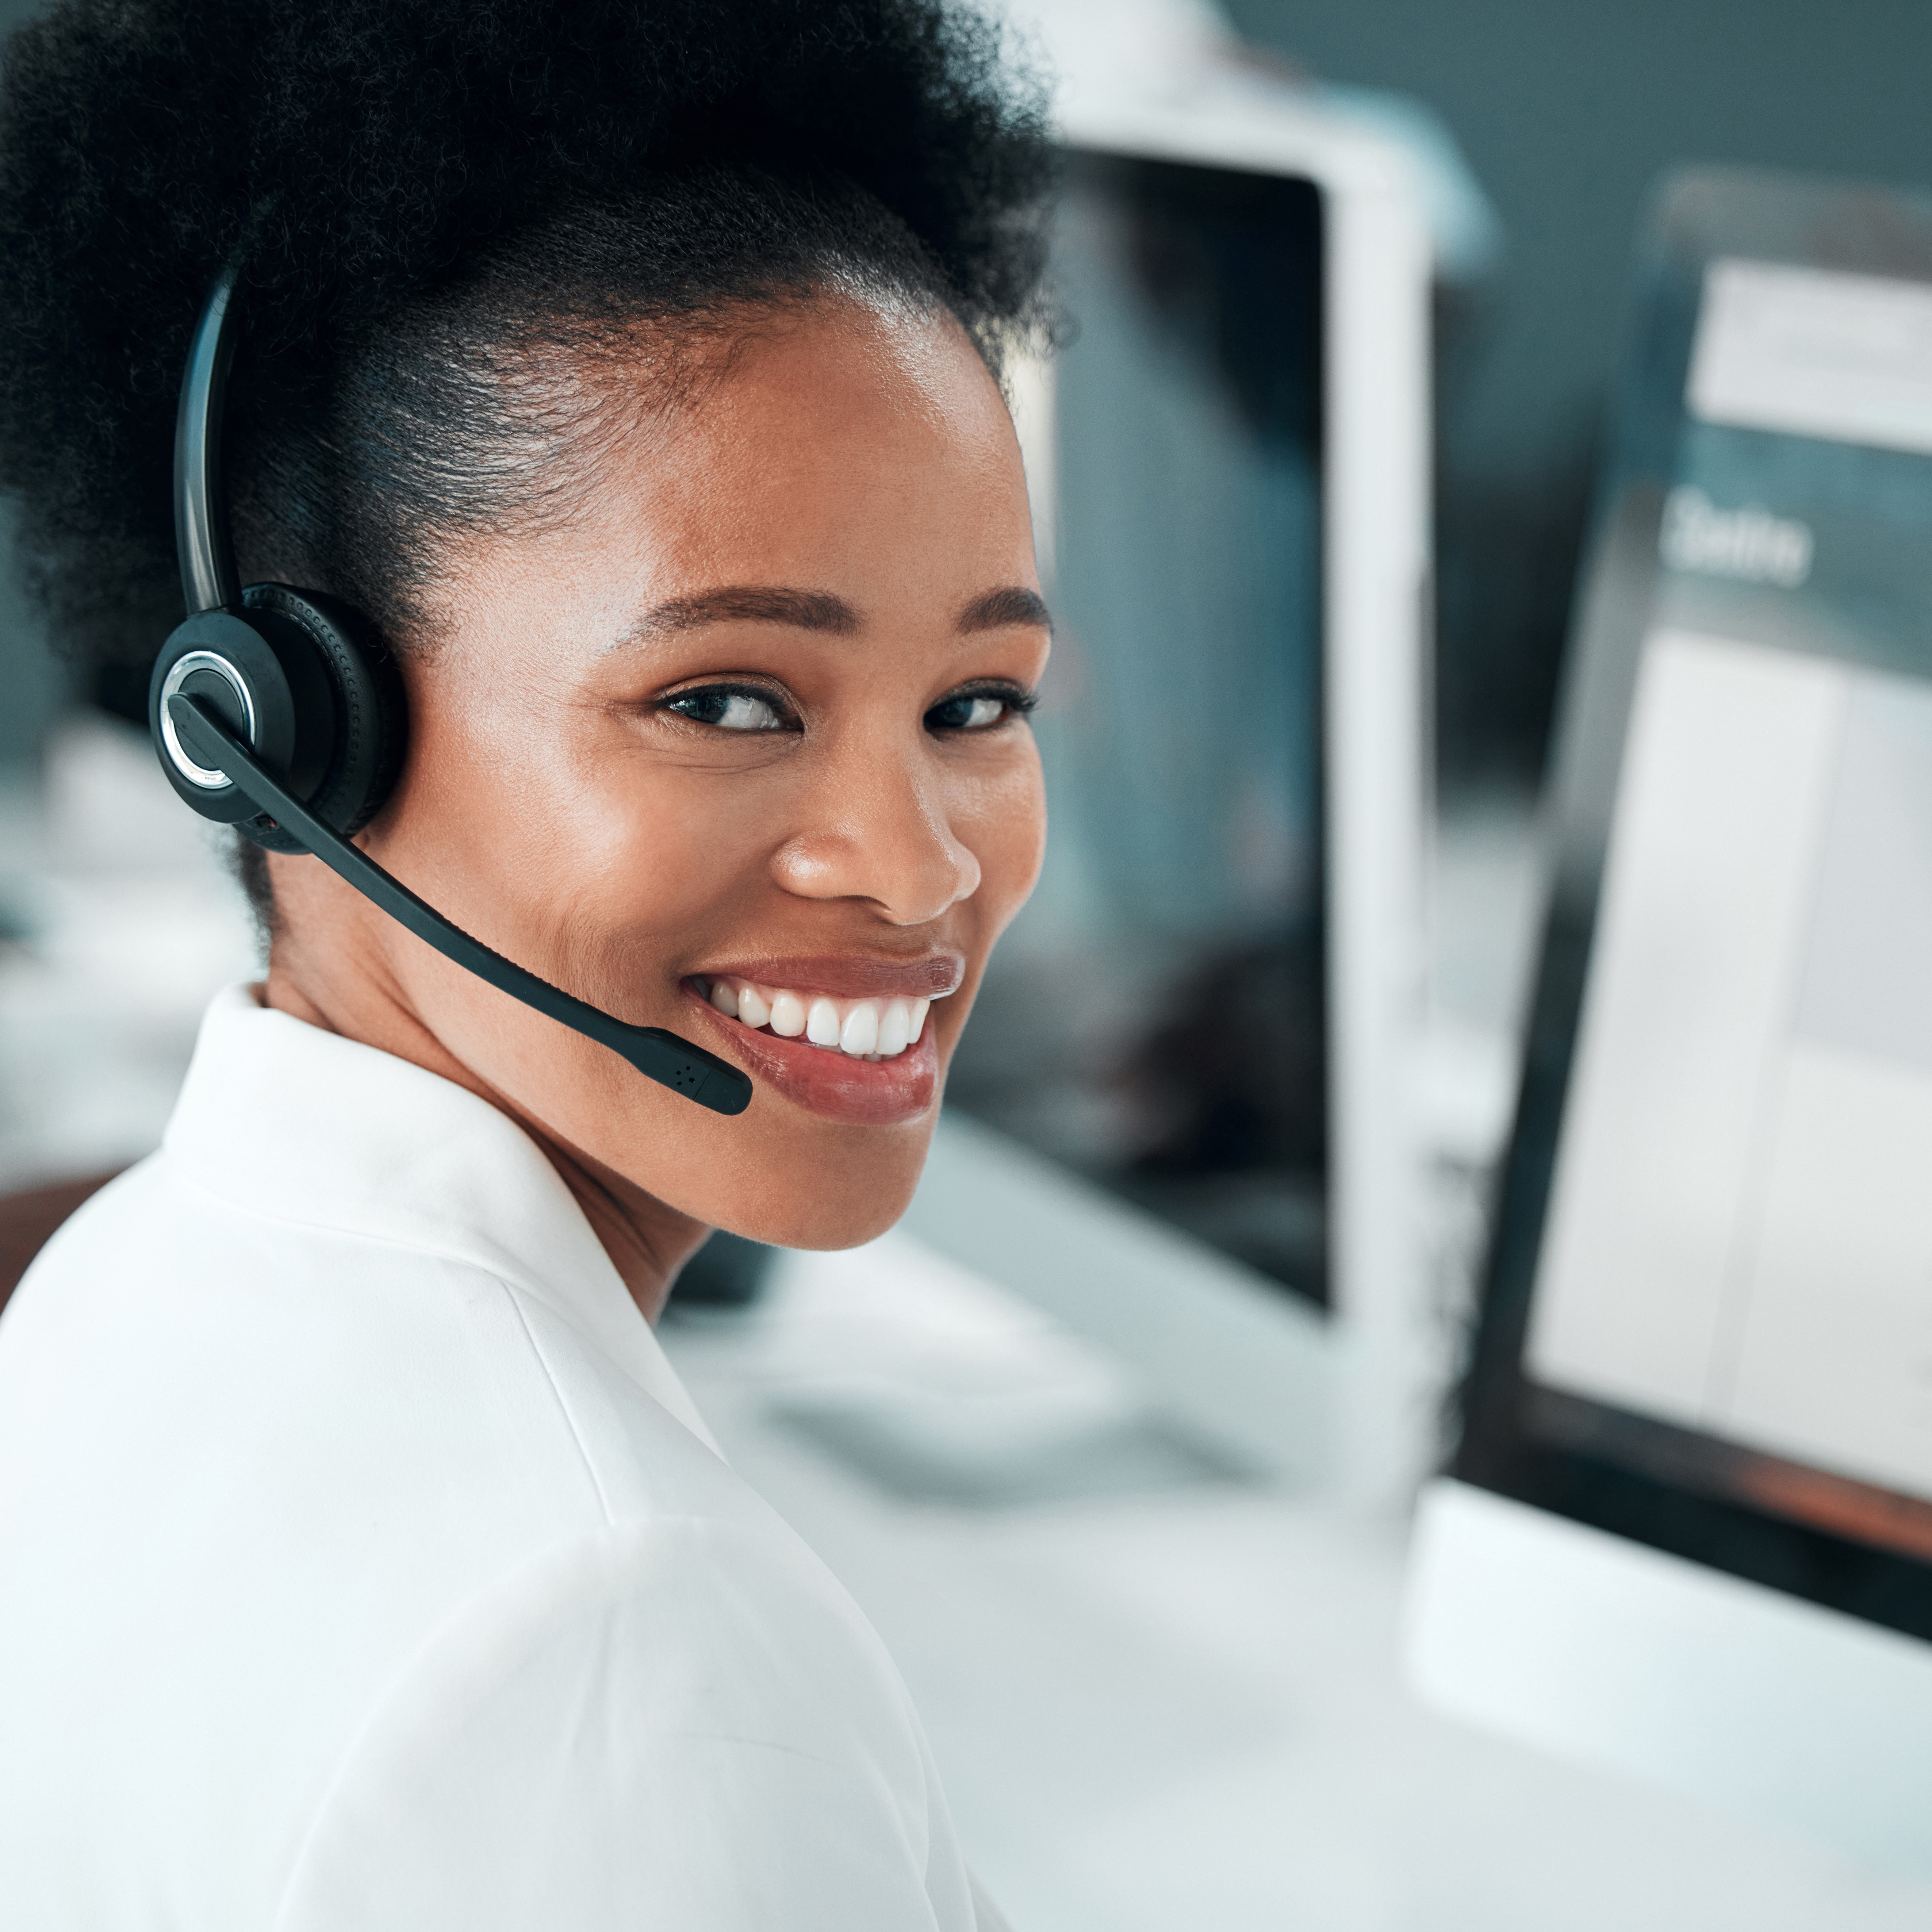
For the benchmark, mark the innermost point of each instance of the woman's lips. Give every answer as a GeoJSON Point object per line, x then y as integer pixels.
{"type": "Point", "coordinates": [930, 976]}
{"type": "Point", "coordinates": [866, 1092]}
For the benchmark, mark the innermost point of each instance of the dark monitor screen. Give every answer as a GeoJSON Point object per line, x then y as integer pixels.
{"type": "Point", "coordinates": [1155, 1019]}
{"type": "Point", "coordinates": [1708, 1325]}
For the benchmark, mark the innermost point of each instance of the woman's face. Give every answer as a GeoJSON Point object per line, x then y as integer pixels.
{"type": "Point", "coordinates": [746, 730]}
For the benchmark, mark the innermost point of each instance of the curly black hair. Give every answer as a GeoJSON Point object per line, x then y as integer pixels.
{"type": "Point", "coordinates": [420, 194]}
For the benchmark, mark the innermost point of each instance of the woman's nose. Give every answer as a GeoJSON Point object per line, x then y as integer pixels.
{"type": "Point", "coordinates": [884, 835]}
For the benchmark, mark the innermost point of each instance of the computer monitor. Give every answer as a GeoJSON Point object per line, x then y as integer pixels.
{"type": "Point", "coordinates": [1200, 1030]}
{"type": "Point", "coordinates": [1157, 1019]}
{"type": "Point", "coordinates": [1689, 1527]}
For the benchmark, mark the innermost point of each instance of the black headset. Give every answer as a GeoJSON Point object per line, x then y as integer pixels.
{"type": "Point", "coordinates": [280, 711]}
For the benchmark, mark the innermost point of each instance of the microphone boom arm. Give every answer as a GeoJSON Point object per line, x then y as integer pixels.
{"type": "Point", "coordinates": [656, 1053]}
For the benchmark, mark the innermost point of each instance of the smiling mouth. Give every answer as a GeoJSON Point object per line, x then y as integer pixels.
{"type": "Point", "coordinates": [875, 1029]}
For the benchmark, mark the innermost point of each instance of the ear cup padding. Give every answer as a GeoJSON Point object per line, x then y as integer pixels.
{"type": "Point", "coordinates": [369, 718]}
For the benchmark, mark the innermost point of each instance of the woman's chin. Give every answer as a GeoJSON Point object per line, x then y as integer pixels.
{"type": "Point", "coordinates": [836, 1211]}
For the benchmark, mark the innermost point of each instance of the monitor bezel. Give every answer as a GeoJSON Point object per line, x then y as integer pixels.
{"type": "Point", "coordinates": [1696, 216]}
{"type": "Point", "coordinates": [1208, 1340]}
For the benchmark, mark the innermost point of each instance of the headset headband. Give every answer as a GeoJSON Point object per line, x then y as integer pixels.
{"type": "Point", "coordinates": [209, 580]}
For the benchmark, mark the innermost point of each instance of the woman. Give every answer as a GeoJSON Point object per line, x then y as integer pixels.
{"type": "Point", "coordinates": [633, 367]}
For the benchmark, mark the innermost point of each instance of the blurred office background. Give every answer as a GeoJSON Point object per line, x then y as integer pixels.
{"type": "Point", "coordinates": [1566, 111]}
{"type": "Point", "coordinates": [1157, 1660]}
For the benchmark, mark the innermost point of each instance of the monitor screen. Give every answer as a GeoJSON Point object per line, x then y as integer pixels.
{"type": "Point", "coordinates": [1709, 1322]}
{"type": "Point", "coordinates": [1155, 1020]}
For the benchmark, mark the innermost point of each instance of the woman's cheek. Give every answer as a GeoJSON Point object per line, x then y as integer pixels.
{"type": "Point", "coordinates": [1009, 837]}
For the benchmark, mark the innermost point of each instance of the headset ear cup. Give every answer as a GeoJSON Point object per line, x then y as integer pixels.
{"type": "Point", "coordinates": [371, 716]}
{"type": "Point", "coordinates": [268, 685]}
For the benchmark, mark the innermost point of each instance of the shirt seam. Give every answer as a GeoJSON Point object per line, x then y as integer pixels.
{"type": "Point", "coordinates": [563, 1407]}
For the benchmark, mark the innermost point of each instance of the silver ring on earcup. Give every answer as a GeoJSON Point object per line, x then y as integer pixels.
{"type": "Point", "coordinates": [178, 673]}
{"type": "Point", "coordinates": [268, 690]}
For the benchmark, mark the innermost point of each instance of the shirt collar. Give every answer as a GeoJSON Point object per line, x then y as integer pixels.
{"type": "Point", "coordinates": [280, 1118]}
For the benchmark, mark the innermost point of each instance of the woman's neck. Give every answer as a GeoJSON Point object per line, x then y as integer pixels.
{"type": "Point", "coordinates": [647, 1240]}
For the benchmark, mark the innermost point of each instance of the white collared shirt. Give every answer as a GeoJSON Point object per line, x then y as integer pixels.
{"type": "Point", "coordinates": [363, 1567]}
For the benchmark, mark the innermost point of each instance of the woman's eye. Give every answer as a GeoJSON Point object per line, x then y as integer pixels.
{"type": "Point", "coordinates": [968, 714]}
{"type": "Point", "coordinates": [729, 710]}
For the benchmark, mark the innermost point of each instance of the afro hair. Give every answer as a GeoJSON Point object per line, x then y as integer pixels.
{"type": "Point", "coordinates": [361, 159]}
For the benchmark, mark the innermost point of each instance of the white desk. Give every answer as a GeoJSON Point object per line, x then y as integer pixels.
{"type": "Point", "coordinates": [1178, 1709]}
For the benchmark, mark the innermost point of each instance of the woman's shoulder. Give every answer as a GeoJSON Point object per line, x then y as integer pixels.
{"type": "Point", "coordinates": [672, 1721]}
{"type": "Point", "coordinates": [164, 1326]}
{"type": "Point", "coordinates": [415, 1552]}
{"type": "Point", "coordinates": [311, 1441]}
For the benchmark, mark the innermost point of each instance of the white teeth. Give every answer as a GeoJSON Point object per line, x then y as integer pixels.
{"type": "Point", "coordinates": [860, 1032]}
{"type": "Point", "coordinates": [861, 1029]}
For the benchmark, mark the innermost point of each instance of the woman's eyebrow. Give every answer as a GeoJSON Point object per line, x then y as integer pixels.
{"type": "Point", "coordinates": [998, 608]}
{"type": "Point", "coordinates": [816, 610]}
{"type": "Point", "coordinates": [747, 603]}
